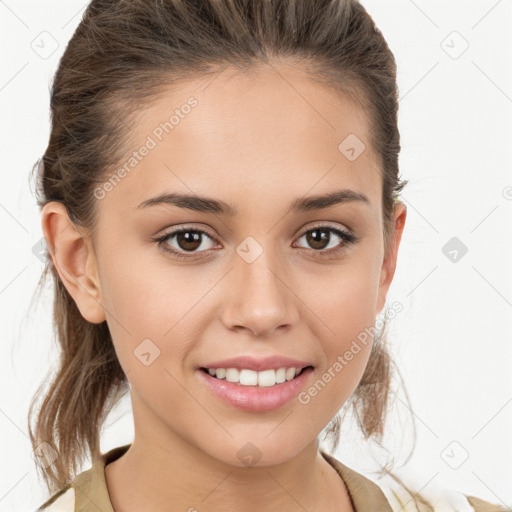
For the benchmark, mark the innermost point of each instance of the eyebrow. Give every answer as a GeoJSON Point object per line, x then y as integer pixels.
{"type": "Point", "coordinates": [210, 205]}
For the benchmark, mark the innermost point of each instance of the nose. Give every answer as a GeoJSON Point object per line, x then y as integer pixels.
{"type": "Point", "coordinates": [259, 298]}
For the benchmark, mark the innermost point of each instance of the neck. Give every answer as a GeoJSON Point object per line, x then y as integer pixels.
{"type": "Point", "coordinates": [161, 471]}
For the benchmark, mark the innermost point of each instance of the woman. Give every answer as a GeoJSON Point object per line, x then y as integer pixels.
{"type": "Point", "coordinates": [220, 199]}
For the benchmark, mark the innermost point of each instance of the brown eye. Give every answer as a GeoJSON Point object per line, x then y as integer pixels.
{"type": "Point", "coordinates": [318, 238]}
{"type": "Point", "coordinates": [186, 240]}
{"type": "Point", "coordinates": [325, 239]}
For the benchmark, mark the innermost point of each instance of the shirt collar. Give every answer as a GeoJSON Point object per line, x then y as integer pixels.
{"type": "Point", "coordinates": [366, 495]}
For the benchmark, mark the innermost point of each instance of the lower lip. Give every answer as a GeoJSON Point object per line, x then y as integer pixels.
{"type": "Point", "coordinates": [253, 398]}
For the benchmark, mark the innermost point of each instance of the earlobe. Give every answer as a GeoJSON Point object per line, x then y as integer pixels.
{"type": "Point", "coordinates": [389, 263]}
{"type": "Point", "coordinates": [74, 259]}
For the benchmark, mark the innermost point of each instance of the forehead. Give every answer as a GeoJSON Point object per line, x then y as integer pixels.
{"type": "Point", "coordinates": [274, 131]}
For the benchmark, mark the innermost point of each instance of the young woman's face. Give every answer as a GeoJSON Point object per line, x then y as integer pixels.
{"type": "Point", "coordinates": [267, 281]}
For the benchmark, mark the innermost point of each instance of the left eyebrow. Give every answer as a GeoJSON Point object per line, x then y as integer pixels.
{"type": "Point", "coordinates": [318, 202]}
{"type": "Point", "coordinates": [210, 205]}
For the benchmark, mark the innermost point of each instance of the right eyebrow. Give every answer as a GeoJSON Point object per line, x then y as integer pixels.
{"type": "Point", "coordinates": [196, 203]}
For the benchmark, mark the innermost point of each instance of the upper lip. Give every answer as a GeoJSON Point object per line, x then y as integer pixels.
{"type": "Point", "coordinates": [257, 364]}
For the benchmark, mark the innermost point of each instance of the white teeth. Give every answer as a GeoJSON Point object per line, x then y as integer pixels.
{"type": "Point", "coordinates": [280, 375]}
{"type": "Point", "coordinates": [246, 377]}
{"type": "Point", "coordinates": [290, 373]}
{"type": "Point", "coordinates": [267, 378]}
{"type": "Point", "coordinates": [232, 375]}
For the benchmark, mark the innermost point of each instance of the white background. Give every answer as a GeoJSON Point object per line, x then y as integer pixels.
{"type": "Point", "coordinates": [453, 341]}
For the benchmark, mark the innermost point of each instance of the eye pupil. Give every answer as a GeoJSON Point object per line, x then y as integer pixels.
{"type": "Point", "coordinates": [185, 238]}
{"type": "Point", "coordinates": [317, 237]}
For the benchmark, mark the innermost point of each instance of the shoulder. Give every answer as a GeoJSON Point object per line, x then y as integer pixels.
{"type": "Point", "coordinates": [414, 497]}
{"type": "Point", "coordinates": [484, 506]}
{"type": "Point", "coordinates": [388, 491]}
{"type": "Point", "coordinates": [61, 501]}
{"type": "Point", "coordinates": [90, 484]}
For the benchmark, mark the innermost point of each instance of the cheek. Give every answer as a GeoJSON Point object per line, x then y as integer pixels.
{"type": "Point", "coordinates": [345, 303]}
{"type": "Point", "coordinates": [142, 289]}
{"type": "Point", "coordinates": [145, 300]}
{"type": "Point", "coordinates": [346, 300]}
{"type": "Point", "coordinates": [346, 333]}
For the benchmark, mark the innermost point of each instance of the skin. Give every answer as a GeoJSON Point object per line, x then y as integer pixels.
{"type": "Point", "coordinates": [274, 128]}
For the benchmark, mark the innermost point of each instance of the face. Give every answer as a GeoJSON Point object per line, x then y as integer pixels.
{"type": "Point", "coordinates": [268, 280]}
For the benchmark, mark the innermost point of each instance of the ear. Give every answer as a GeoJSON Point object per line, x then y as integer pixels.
{"type": "Point", "coordinates": [389, 263]}
{"type": "Point", "coordinates": [74, 259]}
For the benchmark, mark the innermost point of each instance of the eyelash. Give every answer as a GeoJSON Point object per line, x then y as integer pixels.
{"type": "Point", "coordinates": [347, 237]}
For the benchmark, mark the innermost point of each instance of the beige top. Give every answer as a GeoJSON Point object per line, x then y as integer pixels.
{"type": "Point", "coordinates": [88, 491]}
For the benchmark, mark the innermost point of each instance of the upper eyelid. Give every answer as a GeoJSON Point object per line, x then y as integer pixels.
{"type": "Point", "coordinates": [299, 233]}
{"type": "Point", "coordinates": [319, 224]}
{"type": "Point", "coordinates": [322, 224]}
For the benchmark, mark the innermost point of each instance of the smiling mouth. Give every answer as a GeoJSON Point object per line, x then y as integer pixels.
{"type": "Point", "coordinates": [251, 378]}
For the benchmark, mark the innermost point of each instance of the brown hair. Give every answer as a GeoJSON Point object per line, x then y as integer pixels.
{"type": "Point", "coordinates": [121, 56]}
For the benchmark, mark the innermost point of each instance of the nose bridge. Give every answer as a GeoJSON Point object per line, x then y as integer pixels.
{"type": "Point", "coordinates": [261, 300]}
